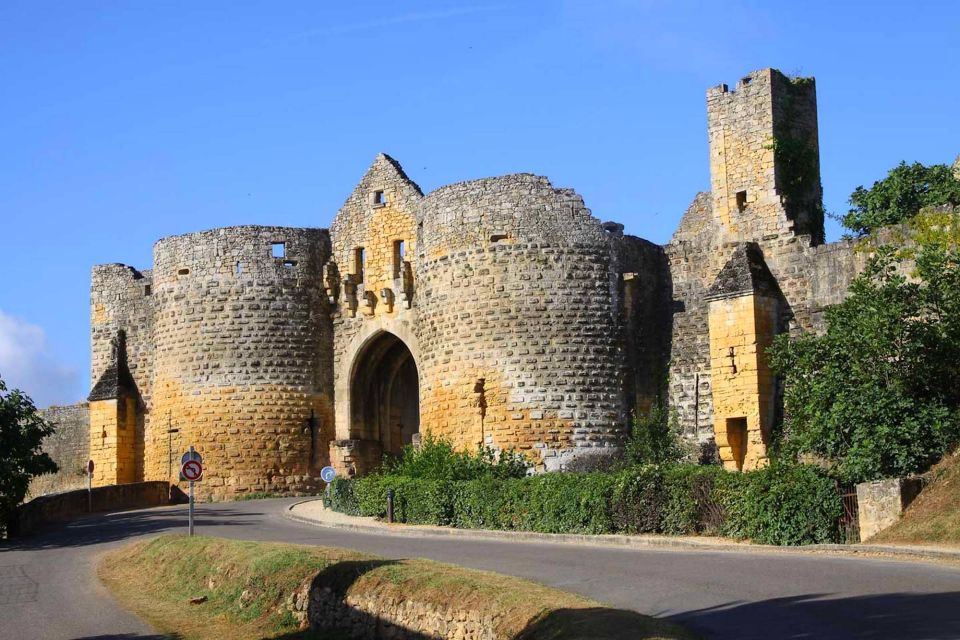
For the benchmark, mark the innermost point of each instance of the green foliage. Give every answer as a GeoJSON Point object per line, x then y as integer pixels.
{"type": "Point", "coordinates": [22, 431]}
{"type": "Point", "coordinates": [340, 497]}
{"type": "Point", "coordinates": [655, 438]}
{"type": "Point", "coordinates": [780, 505]}
{"type": "Point", "coordinates": [877, 394]}
{"type": "Point", "coordinates": [785, 505]}
{"type": "Point", "coordinates": [798, 161]}
{"type": "Point", "coordinates": [901, 195]}
{"type": "Point", "coordinates": [437, 459]}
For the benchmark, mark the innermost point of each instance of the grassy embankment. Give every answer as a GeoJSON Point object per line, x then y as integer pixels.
{"type": "Point", "coordinates": [248, 585]}
{"type": "Point", "coordinates": [934, 517]}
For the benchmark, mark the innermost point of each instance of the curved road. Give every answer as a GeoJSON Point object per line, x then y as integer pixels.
{"type": "Point", "coordinates": [48, 589]}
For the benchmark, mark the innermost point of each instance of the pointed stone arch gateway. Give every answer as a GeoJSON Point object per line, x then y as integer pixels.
{"type": "Point", "coordinates": [377, 397]}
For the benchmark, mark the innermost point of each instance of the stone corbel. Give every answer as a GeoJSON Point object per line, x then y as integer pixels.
{"type": "Point", "coordinates": [386, 297]}
{"type": "Point", "coordinates": [332, 281]}
{"type": "Point", "coordinates": [350, 297]}
{"type": "Point", "coordinates": [369, 302]}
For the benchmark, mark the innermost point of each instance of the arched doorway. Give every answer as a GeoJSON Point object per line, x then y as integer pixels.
{"type": "Point", "coordinates": [385, 394]}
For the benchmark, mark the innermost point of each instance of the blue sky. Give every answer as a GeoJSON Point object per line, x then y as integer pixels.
{"type": "Point", "coordinates": [123, 122]}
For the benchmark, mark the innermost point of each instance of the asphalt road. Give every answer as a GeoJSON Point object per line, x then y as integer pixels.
{"type": "Point", "coordinates": [48, 589]}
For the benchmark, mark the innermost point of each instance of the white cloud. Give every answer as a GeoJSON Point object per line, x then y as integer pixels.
{"type": "Point", "coordinates": [27, 363]}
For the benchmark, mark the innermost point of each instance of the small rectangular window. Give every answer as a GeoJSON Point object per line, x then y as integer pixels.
{"type": "Point", "coordinates": [399, 251]}
{"type": "Point", "coordinates": [741, 200]}
{"type": "Point", "coordinates": [147, 290]}
{"type": "Point", "coordinates": [379, 197]}
{"type": "Point", "coordinates": [359, 262]}
{"type": "Point", "coordinates": [279, 249]}
{"type": "Point", "coordinates": [239, 268]}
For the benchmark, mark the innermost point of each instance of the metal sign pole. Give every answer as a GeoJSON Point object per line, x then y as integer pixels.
{"type": "Point", "coordinates": [191, 496]}
{"type": "Point", "coordinates": [190, 526]}
{"type": "Point", "coordinates": [89, 486]}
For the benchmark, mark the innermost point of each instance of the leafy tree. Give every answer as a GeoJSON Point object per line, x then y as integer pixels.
{"type": "Point", "coordinates": [21, 432]}
{"type": "Point", "coordinates": [878, 393]}
{"type": "Point", "coordinates": [656, 438]}
{"type": "Point", "coordinates": [901, 195]}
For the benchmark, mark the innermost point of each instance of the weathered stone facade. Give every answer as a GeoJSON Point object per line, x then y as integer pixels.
{"type": "Point", "coordinates": [497, 312]}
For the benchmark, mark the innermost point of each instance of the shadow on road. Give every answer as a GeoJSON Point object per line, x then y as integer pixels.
{"type": "Point", "coordinates": [889, 616]}
{"type": "Point", "coordinates": [100, 528]}
{"type": "Point", "coordinates": [131, 636]}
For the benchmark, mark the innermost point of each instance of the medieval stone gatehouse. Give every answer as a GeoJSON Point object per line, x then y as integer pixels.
{"type": "Point", "coordinates": [495, 312]}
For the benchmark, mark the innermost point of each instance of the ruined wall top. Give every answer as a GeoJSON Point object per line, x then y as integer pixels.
{"type": "Point", "coordinates": [518, 208]}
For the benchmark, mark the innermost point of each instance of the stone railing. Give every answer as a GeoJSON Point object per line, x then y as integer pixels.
{"type": "Point", "coordinates": [60, 507]}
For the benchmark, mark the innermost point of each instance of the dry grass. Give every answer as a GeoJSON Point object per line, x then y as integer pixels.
{"type": "Point", "coordinates": [934, 517]}
{"type": "Point", "coordinates": [156, 579]}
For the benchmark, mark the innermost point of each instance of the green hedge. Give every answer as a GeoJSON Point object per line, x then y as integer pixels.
{"type": "Point", "coordinates": [778, 505]}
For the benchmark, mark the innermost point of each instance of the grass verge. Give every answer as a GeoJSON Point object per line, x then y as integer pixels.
{"type": "Point", "coordinates": [934, 517]}
{"type": "Point", "coordinates": [248, 585]}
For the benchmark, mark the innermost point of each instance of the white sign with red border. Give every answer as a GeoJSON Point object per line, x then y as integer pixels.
{"type": "Point", "coordinates": [192, 470]}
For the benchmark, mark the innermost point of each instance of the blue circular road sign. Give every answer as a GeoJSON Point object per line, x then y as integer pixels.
{"type": "Point", "coordinates": [327, 474]}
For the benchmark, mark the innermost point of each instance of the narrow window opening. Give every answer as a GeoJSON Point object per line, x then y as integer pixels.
{"type": "Point", "coordinates": [399, 251]}
{"type": "Point", "coordinates": [279, 249]}
{"type": "Point", "coordinates": [289, 264]}
{"type": "Point", "coordinates": [183, 272]}
{"type": "Point", "coordinates": [379, 197]}
{"type": "Point", "coordinates": [147, 290]}
{"type": "Point", "coordinates": [741, 201]}
{"type": "Point", "coordinates": [239, 268]}
{"type": "Point", "coordinates": [498, 237]}
{"type": "Point", "coordinates": [359, 262]}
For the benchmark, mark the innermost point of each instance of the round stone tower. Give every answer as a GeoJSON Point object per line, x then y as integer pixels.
{"type": "Point", "coordinates": [517, 330]}
{"type": "Point", "coordinates": [242, 366]}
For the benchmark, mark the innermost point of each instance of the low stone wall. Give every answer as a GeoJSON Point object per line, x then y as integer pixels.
{"type": "Point", "coordinates": [373, 617]}
{"type": "Point", "coordinates": [880, 504]}
{"type": "Point", "coordinates": [60, 507]}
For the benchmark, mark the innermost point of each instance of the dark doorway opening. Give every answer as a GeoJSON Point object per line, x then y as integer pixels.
{"type": "Point", "coordinates": [385, 394]}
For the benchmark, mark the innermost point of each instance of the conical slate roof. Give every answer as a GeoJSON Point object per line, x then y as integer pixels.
{"type": "Point", "coordinates": [744, 273]}
{"type": "Point", "coordinates": [116, 380]}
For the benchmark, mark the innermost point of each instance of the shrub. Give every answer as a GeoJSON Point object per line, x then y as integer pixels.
{"type": "Point", "coordinates": [564, 503]}
{"type": "Point", "coordinates": [340, 497]}
{"type": "Point", "coordinates": [786, 505]}
{"type": "Point", "coordinates": [437, 459]}
{"type": "Point", "coordinates": [778, 505]}
{"type": "Point", "coordinates": [637, 500]}
{"type": "Point", "coordinates": [655, 438]}
{"type": "Point", "coordinates": [691, 502]}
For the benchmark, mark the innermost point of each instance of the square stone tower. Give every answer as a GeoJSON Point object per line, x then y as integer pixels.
{"type": "Point", "coordinates": [765, 157]}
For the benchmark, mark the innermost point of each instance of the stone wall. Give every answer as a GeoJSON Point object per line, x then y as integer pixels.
{"type": "Point", "coordinates": [518, 332]}
{"type": "Point", "coordinates": [60, 507]}
{"type": "Point", "coordinates": [242, 336]}
{"type": "Point", "coordinates": [69, 447]}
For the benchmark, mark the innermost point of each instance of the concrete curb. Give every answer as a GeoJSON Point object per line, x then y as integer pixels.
{"type": "Point", "coordinates": [665, 543]}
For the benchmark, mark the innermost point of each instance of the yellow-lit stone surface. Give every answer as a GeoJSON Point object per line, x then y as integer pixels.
{"type": "Point", "coordinates": [112, 441]}
{"type": "Point", "coordinates": [741, 329]}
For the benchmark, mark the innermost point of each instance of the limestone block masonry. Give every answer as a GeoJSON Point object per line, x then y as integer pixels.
{"type": "Point", "coordinates": [496, 312]}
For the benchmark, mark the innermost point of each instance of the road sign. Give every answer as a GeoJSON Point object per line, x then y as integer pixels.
{"type": "Point", "coordinates": [327, 474]}
{"type": "Point", "coordinates": [192, 470]}
{"type": "Point", "coordinates": [90, 467]}
{"type": "Point", "coordinates": [191, 455]}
